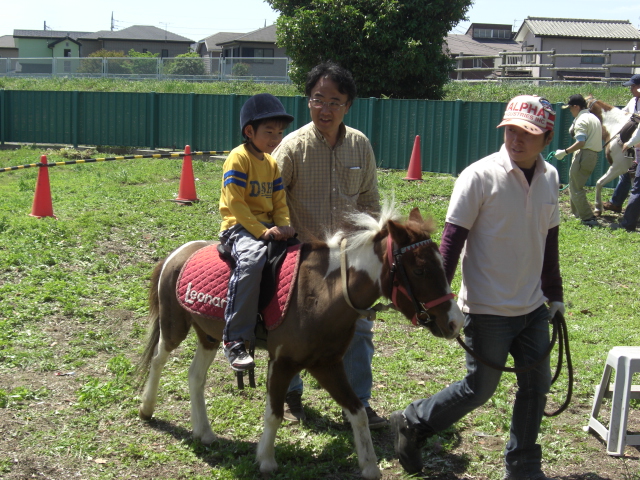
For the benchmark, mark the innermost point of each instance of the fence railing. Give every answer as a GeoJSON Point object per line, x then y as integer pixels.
{"type": "Point", "coordinates": [259, 69]}
{"type": "Point", "coordinates": [453, 134]}
{"type": "Point", "coordinates": [512, 65]}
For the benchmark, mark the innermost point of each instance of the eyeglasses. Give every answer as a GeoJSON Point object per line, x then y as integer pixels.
{"type": "Point", "coordinates": [317, 103]}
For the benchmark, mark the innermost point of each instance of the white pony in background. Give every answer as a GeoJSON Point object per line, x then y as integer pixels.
{"type": "Point", "coordinates": [613, 120]}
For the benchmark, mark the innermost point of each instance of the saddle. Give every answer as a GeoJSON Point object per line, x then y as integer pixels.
{"type": "Point", "coordinates": [204, 278]}
{"type": "Point", "coordinates": [627, 130]}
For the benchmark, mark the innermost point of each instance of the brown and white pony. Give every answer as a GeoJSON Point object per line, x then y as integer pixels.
{"type": "Point", "coordinates": [318, 325]}
{"type": "Point", "coordinates": [612, 120]}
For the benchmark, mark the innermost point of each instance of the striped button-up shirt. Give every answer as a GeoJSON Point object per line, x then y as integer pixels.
{"type": "Point", "coordinates": [324, 183]}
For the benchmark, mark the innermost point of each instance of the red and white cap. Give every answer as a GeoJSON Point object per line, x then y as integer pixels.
{"type": "Point", "coordinates": [530, 112]}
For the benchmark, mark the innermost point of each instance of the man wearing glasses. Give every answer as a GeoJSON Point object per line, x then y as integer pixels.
{"type": "Point", "coordinates": [328, 170]}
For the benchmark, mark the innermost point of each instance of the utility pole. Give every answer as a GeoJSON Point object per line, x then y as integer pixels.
{"type": "Point", "coordinates": [112, 21]}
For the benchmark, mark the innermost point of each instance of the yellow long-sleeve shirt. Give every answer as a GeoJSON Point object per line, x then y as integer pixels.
{"type": "Point", "coordinates": [252, 193]}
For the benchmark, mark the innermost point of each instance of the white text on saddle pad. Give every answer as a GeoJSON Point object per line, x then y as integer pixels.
{"type": "Point", "coordinates": [192, 296]}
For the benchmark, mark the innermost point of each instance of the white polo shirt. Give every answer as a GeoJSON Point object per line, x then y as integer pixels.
{"type": "Point", "coordinates": [508, 221]}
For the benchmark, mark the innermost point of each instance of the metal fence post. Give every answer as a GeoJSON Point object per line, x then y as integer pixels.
{"type": "Point", "coordinates": [460, 65]}
{"type": "Point", "coordinates": [456, 125]}
{"type": "Point", "coordinates": [3, 119]}
{"type": "Point", "coordinates": [75, 114]}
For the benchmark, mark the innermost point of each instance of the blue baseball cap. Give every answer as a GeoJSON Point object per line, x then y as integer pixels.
{"type": "Point", "coordinates": [635, 80]}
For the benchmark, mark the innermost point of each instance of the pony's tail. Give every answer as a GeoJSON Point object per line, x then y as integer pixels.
{"type": "Point", "coordinates": [153, 333]}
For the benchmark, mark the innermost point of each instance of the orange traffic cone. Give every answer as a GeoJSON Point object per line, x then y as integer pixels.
{"type": "Point", "coordinates": [42, 206]}
{"type": "Point", "coordinates": [187, 192]}
{"type": "Point", "coordinates": [415, 164]}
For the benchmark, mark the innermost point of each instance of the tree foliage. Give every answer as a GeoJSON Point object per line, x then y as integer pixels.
{"type": "Point", "coordinates": [186, 64]}
{"type": "Point", "coordinates": [393, 48]}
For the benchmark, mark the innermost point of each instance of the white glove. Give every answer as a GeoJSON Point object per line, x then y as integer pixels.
{"type": "Point", "coordinates": [560, 154]}
{"type": "Point", "coordinates": [555, 307]}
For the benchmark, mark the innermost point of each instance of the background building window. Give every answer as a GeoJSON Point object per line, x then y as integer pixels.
{"type": "Point", "coordinates": [592, 60]}
{"type": "Point", "coordinates": [491, 33]}
{"type": "Point", "coordinates": [261, 55]}
{"type": "Point", "coordinates": [165, 53]}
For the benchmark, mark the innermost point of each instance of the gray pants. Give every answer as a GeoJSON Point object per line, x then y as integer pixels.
{"type": "Point", "coordinates": [582, 165]}
{"type": "Point", "coordinates": [250, 255]}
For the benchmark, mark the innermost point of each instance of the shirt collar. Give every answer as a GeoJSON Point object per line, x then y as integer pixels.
{"type": "Point", "coordinates": [509, 165]}
{"type": "Point", "coordinates": [342, 132]}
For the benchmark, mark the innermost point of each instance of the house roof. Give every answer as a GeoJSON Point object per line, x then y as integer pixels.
{"type": "Point", "coordinates": [578, 28]}
{"type": "Point", "coordinates": [48, 34]}
{"type": "Point", "coordinates": [262, 35]}
{"type": "Point", "coordinates": [6, 41]}
{"type": "Point", "coordinates": [60, 40]}
{"type": "Point", "coordinates": [470, 46]}
{"type": "Point", "coordinates": [212, 41]}
{"type": "Point", "coordinates": [137, 32]}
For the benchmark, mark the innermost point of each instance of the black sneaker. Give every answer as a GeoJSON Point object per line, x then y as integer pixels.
{"type": "Point", "coordinates": [375, 421]}
{"type": "Point", "coordinates": [293, 410]}
{"type": "Point", "coordinates": [238, 357]}
{"type": "Point", "coordinates": [406, 443]}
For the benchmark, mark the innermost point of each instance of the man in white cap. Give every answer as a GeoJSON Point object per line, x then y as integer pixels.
{"type": "Point", "coordinates": [503, 218]}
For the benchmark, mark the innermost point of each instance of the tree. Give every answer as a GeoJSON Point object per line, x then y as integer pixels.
{"type": "Point", "coordinates": [141, 63]}
{"type": "Point", "coordinates": [393, 48]}
{"type": "Point", "coordinates": [93, 62]}
{"type": "Point", "coordinates": [186, 64]}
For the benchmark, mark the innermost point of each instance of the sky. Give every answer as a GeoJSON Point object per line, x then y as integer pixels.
{"type": "Point", "coordinates": [197, 19]}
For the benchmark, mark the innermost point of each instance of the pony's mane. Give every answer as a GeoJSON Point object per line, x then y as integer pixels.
{"type": "Point", "coordinates": [365, 227]}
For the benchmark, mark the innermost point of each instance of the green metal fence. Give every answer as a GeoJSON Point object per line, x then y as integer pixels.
{"type": "Point", "coordinates": [453, 134]}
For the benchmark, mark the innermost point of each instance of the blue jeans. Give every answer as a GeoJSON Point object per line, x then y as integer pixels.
{"type": "Point", "coordinates": [493, 338]}
{"type": "Point", "coordinates": [357, 362]}
{"type": "Point", "coordinates": [622, 190]}
{"type": "Point", "coordinates": [632, 212]}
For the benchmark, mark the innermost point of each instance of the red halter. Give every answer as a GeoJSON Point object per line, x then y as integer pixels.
{"type": "Point", "coordinates": [422, 309]}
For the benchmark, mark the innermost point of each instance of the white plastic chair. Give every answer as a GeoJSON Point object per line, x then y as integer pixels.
{"type": "Point", "coordinates": [625, 361]}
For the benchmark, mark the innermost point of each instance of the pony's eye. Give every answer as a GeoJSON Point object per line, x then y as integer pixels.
{"type": "Point", "coordinates": [418, 271]}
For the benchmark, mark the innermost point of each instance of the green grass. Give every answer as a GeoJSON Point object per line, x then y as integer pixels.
{"type": "Point", "coordinates": [469, 91]}
{"type": "Point", "coordinates": [74, 296]}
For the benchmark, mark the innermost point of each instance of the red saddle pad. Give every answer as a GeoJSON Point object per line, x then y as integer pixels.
{"type": "Point", "coordinates": [204, 279]}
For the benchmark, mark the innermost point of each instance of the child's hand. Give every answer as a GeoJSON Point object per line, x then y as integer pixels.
{"type": "Point", "coordinates": [278, 233]}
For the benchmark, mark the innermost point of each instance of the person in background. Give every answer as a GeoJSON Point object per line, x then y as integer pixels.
{"type": "Point", "coordinates": [587, 130]}
{"type": "Point", "coordinates": [621, 191]}
{"type": "Point", "coordinates": [330, 169]}
{"type": "Point", "coordinates": [503, 219]}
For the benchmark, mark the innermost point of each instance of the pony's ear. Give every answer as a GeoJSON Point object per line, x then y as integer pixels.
{"type": "Point", "coordinates": [398, 233]}
{"type": "Point", "coordinates": [415, 215]}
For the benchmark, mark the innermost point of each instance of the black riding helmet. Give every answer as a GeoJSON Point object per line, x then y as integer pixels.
{"type": "Point", "coordinates": [261, 107]}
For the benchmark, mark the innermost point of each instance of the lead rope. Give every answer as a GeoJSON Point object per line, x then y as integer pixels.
{"type": "Point", "coordinates": [560, 333]}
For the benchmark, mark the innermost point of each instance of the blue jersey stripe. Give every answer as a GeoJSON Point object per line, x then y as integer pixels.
{"type": "Point", "coordinates": [277, 182]}
{"type": "Point", "coordinates": [236, 181]}
{"type": "Point", "coordinates": [236, 173]}
{"type": "Point", "coordinates": [277, 188]}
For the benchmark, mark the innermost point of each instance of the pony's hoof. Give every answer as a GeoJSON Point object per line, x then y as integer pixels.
{"type": "Point", "coordinates": [267, 467]}
{"type": "Point", "coordinates": [144, 416]}
{"type": "Point", "coordinates": [372, 473]}
{"type": "Point", "coordinates": [597, 213]}
{"type": "Point", "coordinates": [208, 438]}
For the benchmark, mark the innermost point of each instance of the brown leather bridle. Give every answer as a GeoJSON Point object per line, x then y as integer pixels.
{"type": "Point", "coordinates": [395, 263]}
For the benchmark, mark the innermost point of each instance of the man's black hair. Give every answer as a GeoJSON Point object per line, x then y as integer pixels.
{"type": "Point", "coordinates": [341, 76]}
